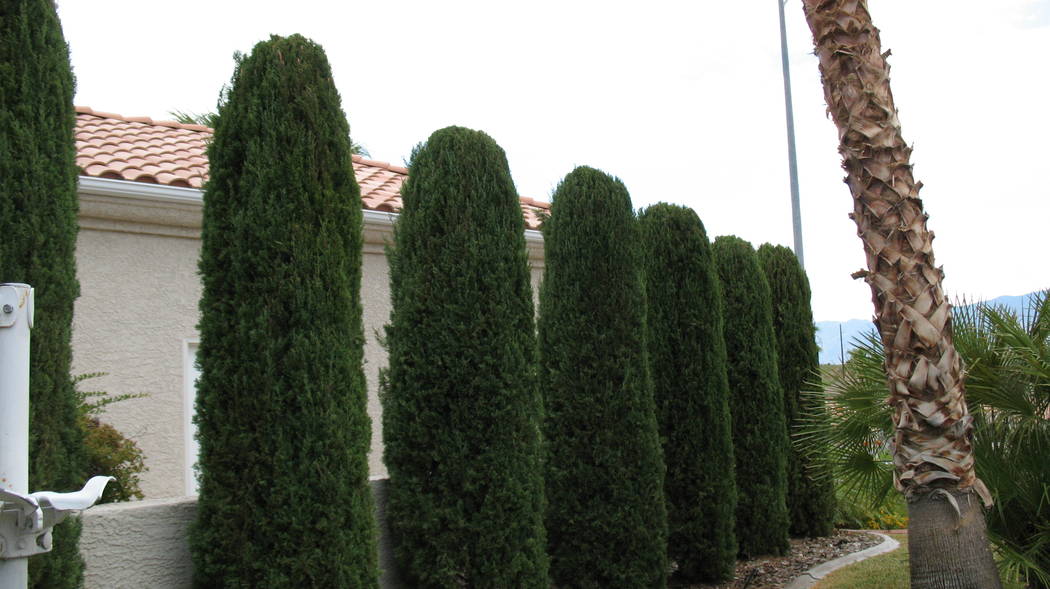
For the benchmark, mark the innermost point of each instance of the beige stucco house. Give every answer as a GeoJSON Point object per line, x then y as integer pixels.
{"type": "Point", "coordinates": [140, 217]}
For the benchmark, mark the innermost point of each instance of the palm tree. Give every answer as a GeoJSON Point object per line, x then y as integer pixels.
{"type": "Point", "coordinates": [1007, 358]}
{"type": "Point", "coordinates": [932, 445]}
{"type": "Point", "coordinates": [210, 119]}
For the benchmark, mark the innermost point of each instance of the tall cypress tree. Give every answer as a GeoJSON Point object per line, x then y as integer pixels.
{"type": "Point", "coordinates": [759, 434]}
{"type": "Point", "coordinates": [283, 430]}
{"type": "Point", "coordinates": [810, 498]}
{"type": "Point", "coordinates": [38, 231]}
{"type": "Point", "coordinates": [461, 411]}
{"type": "Point", "coordinates": [606, 520]}
{"type": "Point", "coordinates": [688, 359]}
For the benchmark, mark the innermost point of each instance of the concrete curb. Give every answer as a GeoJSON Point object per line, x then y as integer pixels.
{"type": "Point", "coordinates": [810, 577]}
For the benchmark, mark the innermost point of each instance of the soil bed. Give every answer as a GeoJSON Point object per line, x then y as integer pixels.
{"type": "Point", "coordinates": [769, 572]}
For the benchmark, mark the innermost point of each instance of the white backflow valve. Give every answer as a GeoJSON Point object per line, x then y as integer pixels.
{"type": "Point", "coordinates": [26, 519]}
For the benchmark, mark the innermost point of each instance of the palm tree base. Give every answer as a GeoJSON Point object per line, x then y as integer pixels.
{"type": "Point", "coordinates": [948, 543]}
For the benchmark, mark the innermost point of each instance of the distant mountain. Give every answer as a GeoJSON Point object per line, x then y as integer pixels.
{"type": "Point", "coordinates": [1014, 303]}
{"type": "Point", "coordinates": [828, 331]}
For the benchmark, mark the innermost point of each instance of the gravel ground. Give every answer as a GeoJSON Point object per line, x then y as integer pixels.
{"type": "Point", "coordinates": [775, 572]}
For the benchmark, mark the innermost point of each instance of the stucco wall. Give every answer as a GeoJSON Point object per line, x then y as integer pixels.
{"type": "Point", "coordinates": [138, 544]}
{"type": "Point", "coordinates": [375, 302]}
{"type": "Point", "coordinates": [143, 544]}
{"type": "Point", "coordinates": [137, 305]}
{"type": "Point", "coordinates": [137, 263]}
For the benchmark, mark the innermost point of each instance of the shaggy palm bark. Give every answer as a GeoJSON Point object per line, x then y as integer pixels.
{"type": "Point", "coordinates": [932, 449]}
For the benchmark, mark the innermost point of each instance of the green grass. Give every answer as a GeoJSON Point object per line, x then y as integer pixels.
{"type": "Point", "coordinates": [886, 571]}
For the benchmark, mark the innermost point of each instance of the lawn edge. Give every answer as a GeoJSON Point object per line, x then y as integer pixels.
{"type": "Point", "coordinates": [815, 574]}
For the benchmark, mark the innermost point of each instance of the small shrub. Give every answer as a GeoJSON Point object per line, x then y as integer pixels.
{"type": "Point", "coordinates": [109, 452]}
{"type": "Point", "coordinates": [884, 519]}
{"type": "Point", "coordinates": [853, 512]}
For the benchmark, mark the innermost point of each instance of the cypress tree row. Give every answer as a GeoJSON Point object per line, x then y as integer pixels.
{"type": "Point", "coordinates": [759, 433]}
{"type": "Point", "coordinates": [690, 387]}
{"type": "Point", "coordinates": [811, 496]}
{"type": "Point", "coordinates": [461, 411]}
{"type": "Point", "coordinates": [606, 520]}
{"type": "Point", "coordinates": [38, 232]}
{"type": "Point", "coordinates": [283, 430]}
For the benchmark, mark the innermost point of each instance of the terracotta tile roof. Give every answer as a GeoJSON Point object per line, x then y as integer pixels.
{"type": "Point", "coordinates": [380, 184]}
{"type": "Point", "coordinates": [139, 149]}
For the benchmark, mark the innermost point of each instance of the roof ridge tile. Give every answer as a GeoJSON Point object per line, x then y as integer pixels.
{"type": "Point", "coordinates": [87, 110]}
{"type": "Point", "coordinates": [359, 159]}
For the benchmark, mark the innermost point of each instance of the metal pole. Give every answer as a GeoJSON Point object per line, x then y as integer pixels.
{"type": "Point", "coordinates": [16, 319]}
{"type": "Point", "coordinates": [796, 214]}
{"type": "Point", "coordinates": [842, 351]}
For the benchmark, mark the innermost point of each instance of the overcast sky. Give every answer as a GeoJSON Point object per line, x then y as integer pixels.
{"type": "Point", "coordinates": [682, 100]}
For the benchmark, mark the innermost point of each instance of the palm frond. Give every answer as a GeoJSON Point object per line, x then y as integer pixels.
{"type": "Point", "coordinates": [208, 119]}
{"type": "Point", "coordinates": [851, 431]}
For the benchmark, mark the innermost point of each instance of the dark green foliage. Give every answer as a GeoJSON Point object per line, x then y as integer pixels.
{"type": "Point", "coordinates": [811, 494]}
{"type": "Point", "coordinates": [606, 520]}
{"type": "Point", "coordinates": [461, 411]}
{"type": "Point", "coordinates": [688, 359]}
{"type": "Point", "coordinates": [284, 435]}
{"type": "Point", "coordinates": [759, 434]}
{"type": "Point", "coordinates": [38, 232]}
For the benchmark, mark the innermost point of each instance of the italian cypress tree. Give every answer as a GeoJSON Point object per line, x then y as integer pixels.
{"type": "Point", "coordinates": [811, 497]}
{"type": "Point", "coordinates": [284, 435]}
{"type": "Point", "coordinates": [461, 411]}
{"type": "Point", "coordinates": [606, 520]}
{"type": "Point", "coordinates": [38, 232]}
{"type": "Point", "coordinates": [759, 434]}
{"type": "Point", "coordinates": [691, 391]}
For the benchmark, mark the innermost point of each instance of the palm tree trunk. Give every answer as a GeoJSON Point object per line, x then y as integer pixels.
{"type": "Point", "coordinates": [932, 450]}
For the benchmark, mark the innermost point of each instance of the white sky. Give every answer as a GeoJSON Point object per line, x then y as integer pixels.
{"type": "Point", "coordinates": [683, 100]}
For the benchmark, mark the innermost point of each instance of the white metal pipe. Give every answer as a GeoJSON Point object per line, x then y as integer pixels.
{"type": "Point", "coordinates": [16, 319]}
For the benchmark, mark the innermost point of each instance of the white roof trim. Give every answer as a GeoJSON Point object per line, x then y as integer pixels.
{"type": "Point", "coordinates": [140, 190]}
{"type": "Point", "coordinates": [161, 193]}
{"type": "Point", "coordinates": [379, 218]}
{"type": "Point", "coordinates": [383, 218]}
